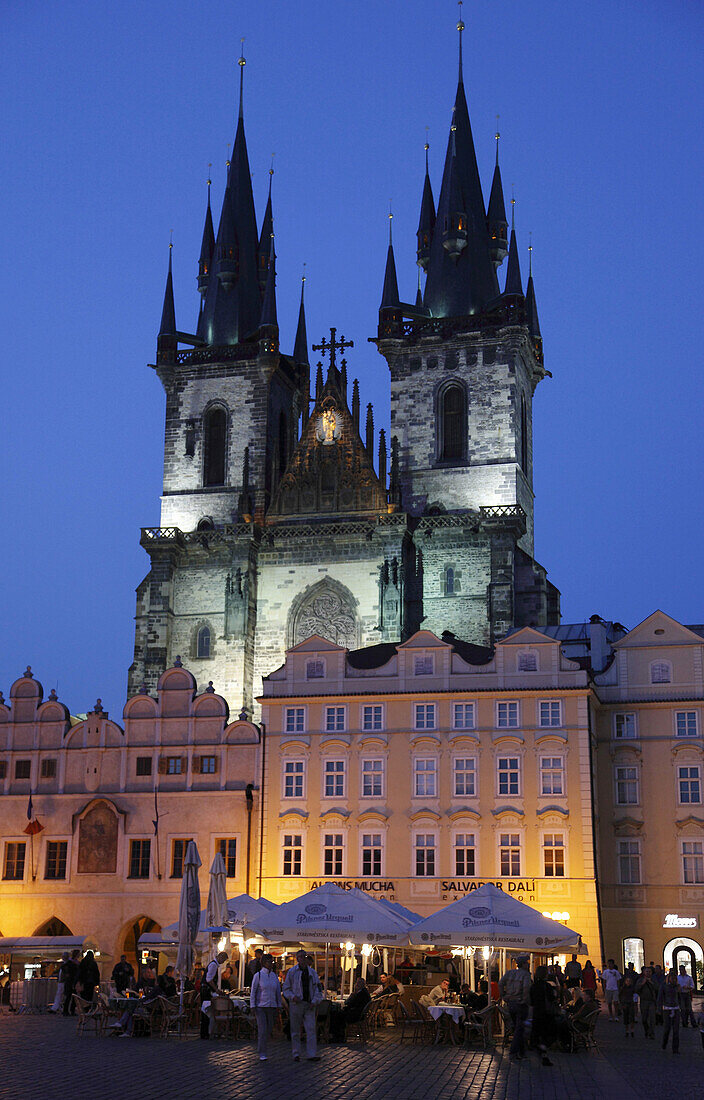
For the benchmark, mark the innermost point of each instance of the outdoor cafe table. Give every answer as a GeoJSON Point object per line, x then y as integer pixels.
{"type": "Point", "coordinates": [445, 1029]}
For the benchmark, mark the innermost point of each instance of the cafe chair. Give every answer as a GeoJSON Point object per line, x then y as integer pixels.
{"type": "Point", "coordinates": [478, 1025]}
{"type": "Point", "coordinates": [173, 1018]}
{"type": "Point", "coordinates": [89, 1014]}
{"type": "Point", "coordinates": [223, 1016]}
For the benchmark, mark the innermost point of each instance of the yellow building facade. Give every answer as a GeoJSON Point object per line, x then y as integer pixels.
{"type": "Point", "coordinates": [648, 723]}
{"type": "Point", "coordinates": [418, 771]}
{"type": "Point", "coordinates": [99, 865]}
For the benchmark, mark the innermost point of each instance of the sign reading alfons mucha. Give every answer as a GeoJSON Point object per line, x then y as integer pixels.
{"type": "Point", "coordinates": [371, 886]}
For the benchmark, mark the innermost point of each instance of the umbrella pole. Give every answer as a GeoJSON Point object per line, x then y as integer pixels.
{"type": "Point", "coordinates": [471, 972]}
{"type": "Point", "coordinates": [241, 978]}
{"type": "Point", "coordinates": [327, 962]}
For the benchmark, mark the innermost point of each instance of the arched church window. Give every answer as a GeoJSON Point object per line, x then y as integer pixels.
{"type": "Point", "coordinates": [451, 584]}
{"type": "Point", "coordinates": [452, 426]}
{"type": "Point", "coordinates": [203, 642]}
{"type": "Point", "coordinates": [215, 439]}
{"type": "Point", "coordinates": [524, 435]}
{"type": "Point", "coordinates": [283, 443]}
{"type": "Point", "coordinates": [205, 524]}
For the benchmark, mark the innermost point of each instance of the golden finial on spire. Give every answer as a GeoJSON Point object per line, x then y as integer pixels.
{"type": "Point", "coordinates": [513, 205]}
{"type": "Point", "coordinates": [241, 60]}
{"type": "Point", "coordinates": [460, 25]}
{"type": "Point", "coordinates": [209, 181]}
{"type": "Point", "coordinates": [391, 218]}
{"type": "Point", "coordinates": [530, 254]}
{"type": "Point", "coordinates": [171, 239]}
{"type": "Point", "coordinates": [271, 169]}
{"type": "Point", "coordinates": [303, 276]}
{"type": "Point", "coordinates": [228, 161]}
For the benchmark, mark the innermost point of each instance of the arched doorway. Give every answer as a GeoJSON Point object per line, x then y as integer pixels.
{"type": "Point", "coordinates": [53, 927]}
{"type": "Point", "coordinates": [686, 952]}
{"type": "Point", "coordinates": [130, 938]}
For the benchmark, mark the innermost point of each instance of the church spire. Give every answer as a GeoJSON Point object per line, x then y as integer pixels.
{"type": "Point", "coordinates": [300, 347]}
{"type": "Point", "coordinates": [265, 236]}
{"type": "Point", "coordinates": [207, 246]}
{"type": "Point", "coordinates": [426, 222]}
{"type": "Point", "coordinates": [168, 312]}
{"type": "Point", "coordinates": [496, 214]}
{"type": "Point", "coordinates": [389, 296]}
{"type": "Point", "coordinates": [531, 306]}
{"type": "Point", "coordinates": [269, 303]}
{"type": "Point", "coordinates": [513, 269]}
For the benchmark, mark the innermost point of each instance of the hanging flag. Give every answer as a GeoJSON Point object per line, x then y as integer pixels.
{"type": "Point", "coordinates": [32, 827]}
{"type": "Point", "coordinates": [155, 822]}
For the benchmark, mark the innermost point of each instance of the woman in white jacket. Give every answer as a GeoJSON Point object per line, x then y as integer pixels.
{"type": "Point", "coordinates": [265, 999]}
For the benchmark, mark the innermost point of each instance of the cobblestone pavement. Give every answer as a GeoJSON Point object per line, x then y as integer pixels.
{"type": "Point", "coordinates": [41, 1058]}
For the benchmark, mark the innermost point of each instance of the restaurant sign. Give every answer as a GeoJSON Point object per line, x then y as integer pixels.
{"type": "Point", "coordinates": [674, 920]}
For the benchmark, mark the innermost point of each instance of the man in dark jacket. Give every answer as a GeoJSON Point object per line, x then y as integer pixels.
{"type": "Point", "coordinates": [167, 982]}
{"type": "Point", "coordinates": [669, 1004]}
{"type": "Point", "coordinates": [647, 991]}
{"type": "Point", "coordinates": [352, 1011]}
{"type": "Point", "coordinates": [122, 974]}
{"type": "Point", "coordinates": [69, 972]}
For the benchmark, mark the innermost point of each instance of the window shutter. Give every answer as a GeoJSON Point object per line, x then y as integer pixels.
{"type": "Point", "coordinates": [162, 765]}
{"type": "Point", "coordinates": [184, 765]}
{"type": "Point", "coordinates": [215, 758]}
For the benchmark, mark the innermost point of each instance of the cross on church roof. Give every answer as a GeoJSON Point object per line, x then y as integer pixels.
{"type": "Point", "coordinates": [329, 347]}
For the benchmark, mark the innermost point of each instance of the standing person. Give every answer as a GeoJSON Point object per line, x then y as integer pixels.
{"type": "Point", "coordinates": [573, 973]}
{"type": "Point", "coordinates": [253, 966]}
{"type": "Point", "coordinates": [59, 998]}
{"type": "Point", "coordinates": [545, 1009]}
{"type": "Point", "coordinates": [647, 990]}
{"type": "Point", "coordinates": [87, 977]}
{"type": "Point", "coordinates": [69, 971]}
{"type": "Point", "coordinates": [589, 977]}
{"type": "Point", "coordinates": [626, 999]}
{"type": "Point", "coordinates": [265, 999]}
{"type": "Point", "coordinates": [686, 987]}
{"type": "Point", "coordinates": [514, 990]}
{"type": "Point", "coordinates": [208, 987]}
{"type": "Point", "coordinates": [122, 974]}
{"type": "Point", "coordinates": [669, 1004]}
{"type": "Point", "coordinates": [303, 991]}
{"type": "Point", "coordinates": [610, 977]}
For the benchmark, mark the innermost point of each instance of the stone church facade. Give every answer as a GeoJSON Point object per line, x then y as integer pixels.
{"type": "Point", "coordinates": [282, 516]}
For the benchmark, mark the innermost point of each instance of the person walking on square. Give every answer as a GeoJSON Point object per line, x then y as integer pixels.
{"type": "Point", "coordinates": [303, 991]}
{"type": "Point", "coordinates": [626, 999]}
{"type": "Point", "coordinates": [59, 998]}
{"type": "Point", "coordinates": [514, 990]}
{"type": "Point", "coordinates": [669, 1004]}
{"type": "Point", "coordinates": [265, 999]}
{"type": "Point", "coordinates": [69, 971]}
{"type": "Point", "coordinates": [647, 990]}
{"type": "Point", "coordinates": [610, 977]}
{"type": "Point", "coordinates": [686, 987]}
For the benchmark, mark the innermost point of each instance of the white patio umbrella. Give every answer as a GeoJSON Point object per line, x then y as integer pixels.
{"type": "Point", "coordinates": [216, 909]}
{"type": "Point", "coordinates": [491, 917]}
{"type": "Point", "coordinates": [188, 913]}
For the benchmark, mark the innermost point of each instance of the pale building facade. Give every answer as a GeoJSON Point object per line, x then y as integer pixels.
{"type": "Point", "coordinates": [648, 708]}
{"type": "Point", "coordinates": [100, 866]}
{"type": "Point", "coordinates": [416, 771]}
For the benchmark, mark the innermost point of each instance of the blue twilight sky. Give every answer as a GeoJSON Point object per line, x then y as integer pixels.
{"type": "Point", "coordinates": [111, 113]}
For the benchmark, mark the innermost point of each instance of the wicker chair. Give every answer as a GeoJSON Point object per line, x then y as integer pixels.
{"type": "Point", "coordinates": [223, 1016]}
{"type": "Point", "coordinates": [360, 1029]}
{"type": "Point", "coordinates": [173, 1018]}
{"type": "Point", "coordinates": [89, 1014]}
{"type": "Point", "coordinates": [426, 1023]}
{"type": "Point", "coordinates": [478, 1025]}
{"type": "Point", "coordinates": [582, 1031]}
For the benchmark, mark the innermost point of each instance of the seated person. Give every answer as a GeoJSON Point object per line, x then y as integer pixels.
{"type": "Point", "coordinates": [227, 980]}
{"type": "Point", "coordinates": [167, 982]}
{"type": "Point", "coordinates": [149, 990]}
{"type": "Point", "coordinates": [389, 984]}
{"type": "Point", "coordinates": [471, 1000]}
{"type": "Point", "coordinates": [351, 1012]}
{"type": "Point", "coordinates": [437, 995]}
{"type": "Point", "coordinates": [405, 965]}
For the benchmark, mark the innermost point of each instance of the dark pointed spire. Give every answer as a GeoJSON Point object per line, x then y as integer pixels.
{"type": "Point", "coordinates": [460, 28]}
{"type": "Point", "coordinates": [394, 479]}
{"type": "Point", "coordinates": [382, 458]}
{"type": "Point", "coordinates": [370, 431]}
{"type": "Point", "coordinates": [355, 403]}
{"type": "Point", "coordinates": [265, 236]}
{"type": "Point", "coordinates": [389, 296]}
{"type": "Point", "coordinates": [496, 215]}
{"type": "Point", "coordinates": [531, 306]}
{"type": "Point", "coordinates": [168, 313]}
{"type": "Point", "coordinates": [343, 379]}
{"type": "Point", "coordinates": [513, 269]}
{"type": "Point", "coordinates": [269, 303]}
{"type": "Point", "coordinates": [300, 347]}
{"type": "Point", "coordinates": [207, 246]}
{"type": "Point", "coordinates": [426, 221]}
{"type": "Point", "coordinates": [319, 383]}
{"type": "Point", "coordinates": [419, 293]}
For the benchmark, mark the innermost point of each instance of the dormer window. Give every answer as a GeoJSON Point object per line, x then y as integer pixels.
{"type": "Point", "coordinates": [423, 665]}
{"type": "Point", "coordinates": [528, 661]}
{"type": "Point", "coordinates": [661, 672]}
{"type": "Point", "coordinates": [315, 669]}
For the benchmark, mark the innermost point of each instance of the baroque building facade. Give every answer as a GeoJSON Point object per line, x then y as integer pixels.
{"type": "Point", "coordinates": [282, 516]}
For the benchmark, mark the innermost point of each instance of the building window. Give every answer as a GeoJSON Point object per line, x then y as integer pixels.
{"type": "Point", "coordinates": [626, 786]}
{"type": "Point", "coordinates": [425, 716]}
{"type": "Point", "coordinates": [372, 717]}
{"type": "Point", "coordinates": [140, 858]}
{"type": "Point", "coordinates": [629, 862]}
{"type": "Point", "coordinates": [451, 581]}
{"type": "Point", "coordinates": [174, 765]}
{"type": "Point", "coordinates": [3, 769]}
{"type": "Point", "coordinates": [332, 854]}
{"type": "Point", "coordinates": [509, 854]}
{"type": "Point", "coordinates": [372, 778]}
{"type": "Point", "coordinates": [692, 862]}
{"type": "Point", "coordinates": [625, 725]}
{"type": "Point", "coordinates": [423, 665]}
{"type": "Point", "coordinates": [464, 774]}
{"type": "Point", "coordinates": [452, 432]}
{"type": "Point", "coordinates": [227, 847]}
{"type": "Point", "coordinates": [660, 672]}
{"type": "Point", "coordinates": [463, 716]}
{"type": "Point", "coordinates": [293, 847]}
{"type": "Point", "coordinates": [509, 772]}
{"type": "Point", "coordinates": [425, 777]}
{"type": "Point", "coordinates": [13, 870]}
{"type": "Point", "coordinates": [689, 784]}
{"type": "Point", "coordinates": [23, 769]}
{"type": "Point", "coordinates": [507, 716]}
{"type": "Point", "coordinates": [425, 854]}
{"type": "Point", "coordinates": [178, 855]}
{"type": "Point", "coordinates": [552, 775]}
{"type": "Point", "coordinates": [334, 779]}
{"type": "Point", "coordinates": [528, 662]}
{"type": "Point", "coordinates": [315, 670]}
{"type": "Point", "coordinates": [215, 447]}
{"type": "Point", "coordinates": [56, 853]}
{"type": "Point", "coordinates": [686, 721]}
{"type": "Point", "coordinates": [550, 713]}
{"type": "Point", "coordinates": [48, 768]}
{"type": "Point", "coordinates": [144, 765]}
{"type": "Point", "coordinates": [371, 855]}
{"type": "Point", "coordinates": [334, 719]}
{"type": "Point", "coordinates": [465, 855]}
{"type": "Point", "coordinates": [203, 643]}
{"type": "Point", "coordinates": [554, 855]}
{"type": "Point", "coordinates": [294, 775]}
{"type": "Point", "coordinates": [295, 719]}
{"type": "Point", "coordinates": [208, 765]}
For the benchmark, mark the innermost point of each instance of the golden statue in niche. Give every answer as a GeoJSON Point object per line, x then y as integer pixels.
{"type": "Point", "coordinates": [328, 427]}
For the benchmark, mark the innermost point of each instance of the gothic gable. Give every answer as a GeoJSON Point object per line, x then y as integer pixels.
{"type": "Point", "coordinates": [330, 470]}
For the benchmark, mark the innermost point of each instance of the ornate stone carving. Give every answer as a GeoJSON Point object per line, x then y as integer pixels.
{"type": "Point", "coordinates": [328, 613]}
